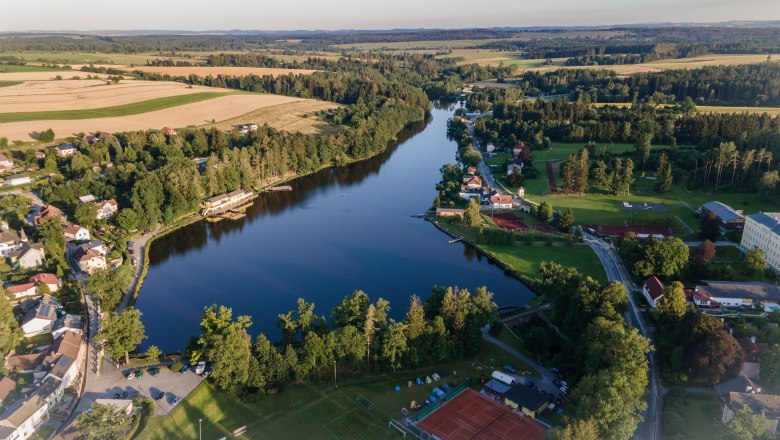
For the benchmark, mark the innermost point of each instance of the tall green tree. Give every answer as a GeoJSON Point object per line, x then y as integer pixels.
{"type": "Point", "coordinates": [225, 343]}
{"type": "Point", "coordinates": [351, 310]}
{"type": "Point", "coordinates": [472, 216]}
{"type": "Point", "coordinates": [566, 220]}
{"type": "Point", "coordinates": [394, 345]}
{"type": "Point", "coordinates": [673, 304]}
{"type": "Point", "coordinates": [755, 262]}
{"type": "Point", "coordinates": [747, 425]}
{"type": "Point", "coordinates": [9, 327]}
{"type": "Point", "coordinates": [663, 183]}
{"type": "Point", "coordinates": [103, 422]}
{"type": "Point", "coordinates": [122, 333]}
{"type": "Point", "coordinates": [642, 147]}
{"type": "Point", "coordinates": [770, 368]}
{"type": "Point", "coordinates": [86, 215]}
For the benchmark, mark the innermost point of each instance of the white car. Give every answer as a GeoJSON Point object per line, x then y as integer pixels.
{"type": "Point", "coordinates": [200, 368]}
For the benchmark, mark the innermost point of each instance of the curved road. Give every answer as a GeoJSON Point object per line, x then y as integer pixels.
{"type": "Point", "coordinates": [650, 427]}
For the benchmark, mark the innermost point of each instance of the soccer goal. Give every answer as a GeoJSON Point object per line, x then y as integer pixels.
{"type": "Point", "coordinates": [394, 424]}
{"type": "Point", "coordinates": [364, 403]}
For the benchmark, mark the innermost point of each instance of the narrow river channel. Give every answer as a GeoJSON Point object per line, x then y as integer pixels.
{"type": "Point", "coordinates": [340, 230]}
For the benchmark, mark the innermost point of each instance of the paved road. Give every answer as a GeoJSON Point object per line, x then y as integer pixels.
{"type": "Point", "coordinates": [139, 244]}
{"type": "Point", "coordinates": [484, 169]}
{"type": "Point", "coordinates": [649, 429]}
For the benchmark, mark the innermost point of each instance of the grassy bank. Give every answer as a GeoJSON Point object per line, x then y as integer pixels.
{"type": "Point", "coordinates": [692, 416]}
{"type": "Point", "coordinates": [314, 410]}
{"type": "Point", "coordinates": [9, 83]}
{"type": "Point", "coordinates": [114, 111]}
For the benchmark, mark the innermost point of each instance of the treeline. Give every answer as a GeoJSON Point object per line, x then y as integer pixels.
{"type": "Point", "coordinates": [751, 85]}
{"type": "Point", "coordinates": [359, 338]}
{"type": "Point", "coordinates": [599, 351]}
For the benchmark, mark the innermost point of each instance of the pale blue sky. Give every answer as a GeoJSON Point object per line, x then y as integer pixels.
{"type": "Point", "coordinates": [365, 14]}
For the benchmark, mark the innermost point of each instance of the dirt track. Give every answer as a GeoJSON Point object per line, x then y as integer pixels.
{"type": "Point", "coordinates": [37, 96]}
{"type": "Point", "coordinates": [199, 113]}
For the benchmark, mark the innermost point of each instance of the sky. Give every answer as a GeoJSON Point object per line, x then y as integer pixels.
{"type": "Point", "coordinates": [86, 15]}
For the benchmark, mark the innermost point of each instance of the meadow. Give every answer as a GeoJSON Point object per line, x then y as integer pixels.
{"type": "Point", "coordinates": [299, 116]}
{"type": "Point", "coordinates": [315, 410]}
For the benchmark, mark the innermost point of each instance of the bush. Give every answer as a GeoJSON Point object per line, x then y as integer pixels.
{"type": "Point", "coordinates": [177, 367]}
{"type": "Point", "coordinates": [496, 328]}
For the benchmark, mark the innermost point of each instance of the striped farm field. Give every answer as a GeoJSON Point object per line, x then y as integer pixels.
{"type": "Point", "coordinates": [177, 111]}
{"type": "Point", "coordinates": [218, 70]}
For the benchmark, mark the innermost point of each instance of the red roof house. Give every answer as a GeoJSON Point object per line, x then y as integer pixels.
{"type": "Point", "coordinates": [653, 290]}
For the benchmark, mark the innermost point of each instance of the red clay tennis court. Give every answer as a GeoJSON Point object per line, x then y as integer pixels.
{"type": "Point", "coordinates": [509, 221]}
{"type": "Point", "coordinates": [471, 415]}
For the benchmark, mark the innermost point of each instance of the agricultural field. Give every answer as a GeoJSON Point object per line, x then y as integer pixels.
{"type": "Point", "coordinates": [47, 75]}
{"type": "Point", "coordinates": [682, 63]}
{"type": "Point", "coordinates": [772, 111]}
{"type": "Point", "coordinates": [176, 111]}
{"type": "Point", "coordinates": [71, 58]}
{"type": "Point", "coordinates": [314, 410]}
{"type": "Point", "coordinates": [45, 96]}
{"type": "Point", "coordinates": [218, 70]}
{"type": "Point", "coordinates": [298, 116]}
{"type": "Point", "coordinates": [485, 57]}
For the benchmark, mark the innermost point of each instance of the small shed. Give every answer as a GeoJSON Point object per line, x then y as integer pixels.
{"type": "Point", "coordinates": [504, 378]}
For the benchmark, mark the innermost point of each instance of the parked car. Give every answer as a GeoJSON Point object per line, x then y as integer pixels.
{"type": "Point", "coordinates": [131, 375]}
{"type": "Point", "coordinates": [557, 382]}
{"type": "Point", "coordinates": [540, 363]}
{"type": "Point", "coordinates": [175, 400]}
{"type": "Point", "coordinates": [201, 367]}
{"type": "Point", "coordinates": [563, 382]}
{"type": "Point", "coordinates": [159, 396]}
{"type": "Point", "coordinates": [509, 368]}
{"type": "Point", "coordinates": [139, 373]}
{"type": "Point", "coordinates": [563, 390]}
{"type": "Point", "coordinates": [184, 368]}
{"type": "Point", "coordinates": [554, 370]}
{"type": "Point", "coordinates": [154, 371]}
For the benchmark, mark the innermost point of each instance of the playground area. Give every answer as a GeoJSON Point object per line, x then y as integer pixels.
{"type": "Point", "coordinates": [471, 415]}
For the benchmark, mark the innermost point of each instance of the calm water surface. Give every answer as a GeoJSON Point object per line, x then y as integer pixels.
{"type": "Point", "coordinates": [338, 231]}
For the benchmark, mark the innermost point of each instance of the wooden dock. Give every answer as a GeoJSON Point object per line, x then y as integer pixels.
{"type": "Point", "coordinates": [279, 188]}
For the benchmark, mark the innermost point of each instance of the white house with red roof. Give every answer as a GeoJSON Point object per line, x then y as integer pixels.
{"type": "Point", "coordinates": [106, 209]}
{"type": "Point", "coordinates": [499, 201]}
{"type": "Point", "coordinates": [76, 233]}
{"type": "Point", "coordinates": [22, 290]}
{"type": "Point", "coordinates": [472, 182]}
{"type": "Point", "coordinates": [51, 281]}
{"type": "Point", "coordinates": [653, 290]}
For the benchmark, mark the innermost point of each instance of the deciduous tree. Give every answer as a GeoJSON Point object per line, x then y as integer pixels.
{"type": "Point", "coordinates": [121, 333]}
{"type": "Point", "coordinates": [103, 422]}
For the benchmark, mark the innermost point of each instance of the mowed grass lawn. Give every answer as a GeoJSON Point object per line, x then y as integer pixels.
{"type": "Point", "coordinates": [694, 416]}
{"type": "Point", "coordinates": [526, 259]}
{"type": "Point", "coordinates": [315, 411]}
{"type": "Point", "coordinates": [118, 110]}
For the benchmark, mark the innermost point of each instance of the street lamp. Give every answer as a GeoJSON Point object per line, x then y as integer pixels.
{"type": "Point", "coordinates": [200, 429]}
{"type": "Point", "coordinates": [335, 384]}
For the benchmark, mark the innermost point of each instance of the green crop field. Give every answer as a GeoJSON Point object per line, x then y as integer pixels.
{"type": "Point", "coordinates": [10, 68]}
{"type": "Point", "coordinates": [119, 110]}
{"type": "Point", "coordinates": [313, 410]}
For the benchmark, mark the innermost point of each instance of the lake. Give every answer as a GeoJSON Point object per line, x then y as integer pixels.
{"type": "Point", "coordinates": [339, 230]}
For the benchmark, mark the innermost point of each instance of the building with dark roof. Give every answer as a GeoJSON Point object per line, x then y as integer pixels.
{"type": "Point", "coordinates": [530, 401]}
{"type": "Point", "coordinates": [740, 294]}
{"type": "Point", "coordinates": [726, 215]}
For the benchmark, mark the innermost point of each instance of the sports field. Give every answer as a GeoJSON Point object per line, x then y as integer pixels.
{"type": "Point", "coordinates": [472, 416]}
{"type": "Point", "coordinates": [525, 259]}
{"type": "Point", "coordinates": [314, 411]}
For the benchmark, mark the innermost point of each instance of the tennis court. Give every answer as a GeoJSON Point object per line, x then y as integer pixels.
{"type": "Point", "coordinates": [471, 415]}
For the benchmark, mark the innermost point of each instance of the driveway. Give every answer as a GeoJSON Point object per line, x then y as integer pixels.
{"type": "Point", "coordinates": [112, 381]}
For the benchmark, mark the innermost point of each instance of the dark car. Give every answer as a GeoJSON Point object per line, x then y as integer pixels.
{"type": "Point", "coordinates": [509, 368]}
{"type": "Point", "coordinates": [530, 384]}
{"type": "Point", "coordinates": [159, 396]}
{"type": "Point", "coordinates": [555, 371]}
{"type": "Point", "coordinates": [557, 382]}
{"type": "Point", "coordinates": [540, 363]}
{"type": "Point", "coordinates": [154, 371]}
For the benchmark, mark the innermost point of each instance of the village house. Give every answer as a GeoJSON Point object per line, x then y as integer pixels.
{"type": "Point", "coordinates": [18, 179]}
{"type": "Point", "coordinates": [472, 182]}
{"type": "Point", "coordinates": [47, 212]}
{"type": "Point", "coordinates": [518, 149]}
{"type": "Point", "coordinates": [90, 261]}
{"type": "Point", "coordinates": [741, 391]}
{"type": "Point", "coordinates": [7, 386]}
{"type": "Point", "coordinates": [6, 164]}
{"type": "Point", "coordinates": [752, 350]}
{"type": "Point", "coordinates": [51, 281]}
{"type": "Point", "coordinates": [692, 297]}
{"type": "Point", "coordinates": [21, 420]}
{"type": "Point", "coordinates": [106, 209]}
{"type": "Point", "coordinates": [9, 242]}
{"type": "Point", "coordinates": [728, 218]}
{"type": "Point", "coordinates": [22, 290]}
{"type": "Point", "coordinates": [25, 363]}
{"type": "Point", "coordinates": [449, 212]}
{"type": "Point", "coordinates": [63, 358]}
{"type": "Point", "coordinates": [741, 294]}
{"type": "Point", "coordinates": [511, 166]}
{"type": "Point", "coordinates": [762, 230]}
{"type": "Point", "coordinates": [471, 170]}
{"type": "Point", "coordinates": [246, 128]}
{"type": "Point", "coordinates": [76, 233]}
{"type": "Point", "coordinates": [66, 150]}
{"type": "Point", "coordinates": [490, 148]}
{"type": "Point", "coordinates": [653, 290]}
{"type": "Point", "coordinates": [28, 256]}
{"type": "Point", "coordinates": [67, 323]}
{"type": "Point", "coordinates": [501, 201]}
{"type": "Point", "coordinates": [223, 202]}
{"type": "Point", "coordinates": [40, 320]}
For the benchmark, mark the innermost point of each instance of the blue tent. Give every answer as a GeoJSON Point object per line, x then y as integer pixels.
{"type": "Point", "coordinates": [397, 388]}
{"type": "Point", "coordinates": [419, 381]}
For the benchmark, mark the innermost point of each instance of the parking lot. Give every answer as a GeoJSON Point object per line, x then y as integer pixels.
{"type": "Point", "coordinates": [112, 382]}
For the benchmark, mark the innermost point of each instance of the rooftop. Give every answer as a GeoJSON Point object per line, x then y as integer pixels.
{"type": "Point", "coordinates": [766, 404]}
{"type": "Point", "coordinates": [527, 397]}
{"type": "Point", "coordinates": [733, 289]}
{"type": "Point", "coordinates": [740, 384]}
{"type": "Point", "coordinates": [769, 219]}
{"type": "Point", "coordinates": [6, 386]}
{"type": "Point", "coordinates": [654, 287]}
{"type": "Point", "coordinates": [724, 212]}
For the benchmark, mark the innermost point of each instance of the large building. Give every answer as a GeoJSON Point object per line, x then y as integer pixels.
{"type": "Point", "coordinates": [741, 294]}
{"type": "Point", "coordinates": [726, 215]}
{"type": "Point", "coordinates": [762, 230]}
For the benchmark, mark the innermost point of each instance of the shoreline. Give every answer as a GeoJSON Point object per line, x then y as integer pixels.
{"type": "Point", "coordinates": [131, 296]}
